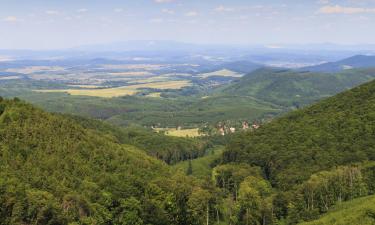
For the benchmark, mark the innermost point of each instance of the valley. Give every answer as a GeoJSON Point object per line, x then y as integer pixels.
{"type": "Point", "coordinates": [271, 141]}
{"type": "Point", "coordinates": [187, 112]}
{"type": "Point", "coordinates": [105, 141]}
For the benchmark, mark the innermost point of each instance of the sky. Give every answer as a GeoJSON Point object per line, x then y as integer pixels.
{"type": "Point", "coordinates": [59, 24]}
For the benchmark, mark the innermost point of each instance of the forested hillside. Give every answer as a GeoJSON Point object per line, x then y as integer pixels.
{"type": "Point", "coordinates": [60, 169]}
{"type": "Point", "coordinates": [296, 88]}
{"type": "Point", "coordinates": [336, 131]}
{"type": "Point", "coordinates": [358, 211]}
{"type": "Point", "coordinates": [302, 153]}
{"type": "Point", "coordinates": [167, 148]}
{"type": "Point", "coordinates": [54, 171]}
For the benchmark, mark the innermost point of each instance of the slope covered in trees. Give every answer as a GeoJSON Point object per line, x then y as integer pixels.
{"type": "Point", "coordinates": [54, 171]}
{"type": "Point", "coordinates": [336, 131]}
{"type": "Point", "coordinates": [167, 148]}
{"type": "Point", "coordinates": [296, 88]}
{"type": "Point", "coordinates": [314, 158]}
{"type": "Point", "coordinates": [359, 211]}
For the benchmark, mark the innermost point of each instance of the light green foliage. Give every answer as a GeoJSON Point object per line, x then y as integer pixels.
{"type": "Point", "coordinates": [230, 176]}
{"type": "Point", "coordinates": [181, 109]}
{"type": "Point", "coordinates": [315, 138]}
{"type": "Point", "coordinates": [359, 211]}
{"type": "Point", "coordinates": [55, 171]}
{"type": "Point", "coordinates": [316, 157]}
{"type": "Point", "coordinates": [202, 166]}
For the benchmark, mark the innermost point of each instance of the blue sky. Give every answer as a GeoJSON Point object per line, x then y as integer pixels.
{"type": "Point", "coordinates": [52, 24]}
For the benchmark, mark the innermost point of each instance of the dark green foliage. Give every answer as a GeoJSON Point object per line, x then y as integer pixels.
{"type": "Point", "coordinates": [55, 171]}
{"type": "Point", "coordinates": [359, 211]}
{"type": "Point", "coordinates": [167, 148]}
{"type": "Point", "coordinates": [336, 131]}
{"type": "Point", "coordinates": [178, 109]}
{"type": "Point", "coordinates": [315, 158]}
{"type": "Point", "coordinates": [189, 170]}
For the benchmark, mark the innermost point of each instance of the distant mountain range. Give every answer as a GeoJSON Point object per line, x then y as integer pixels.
{"type": "Point", "coordinates": [358, 61]}
{"type": "Point", "coordinates": [292, 87]}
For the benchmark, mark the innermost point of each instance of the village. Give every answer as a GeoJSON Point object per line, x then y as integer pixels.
{"type": "Point", "coordinates": [221, 129]}
{"type": "Point", "coordinates": [224, 129]}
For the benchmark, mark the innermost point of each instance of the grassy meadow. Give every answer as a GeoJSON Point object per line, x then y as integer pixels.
{"type": "Point", "coordinates": [180, 132]}
{"type": "Point", "coordinates": [201, 167]}
{"type": "Point", "coordinates": [360, 211]}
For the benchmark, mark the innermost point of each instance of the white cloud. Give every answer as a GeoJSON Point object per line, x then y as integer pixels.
{"type": "Point", "coordinates": [52, 12]}
{"type": "Point", "coordinates": [11, 19]}
{"type": "Point", "coordinates": [168, 11]}
{"type": "Point", "coordinates": [222, 8]}
{"type": "Point", "coordinates": [163, 1]}
{"type": "Point", "coordinates": [191, 14]}
{"type": "Point", "coordinates": [83, 10]}
{"type": "Point", "coordinates": [337, 9]}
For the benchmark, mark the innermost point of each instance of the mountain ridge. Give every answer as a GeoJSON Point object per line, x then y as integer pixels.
{"type": "Point", "coordinates": [356, 61]}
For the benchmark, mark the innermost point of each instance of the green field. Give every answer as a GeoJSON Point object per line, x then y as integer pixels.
{"type": "Point", "coordinates": [201, 167]}
{"type": "Point", "coordinates": [359, 212]}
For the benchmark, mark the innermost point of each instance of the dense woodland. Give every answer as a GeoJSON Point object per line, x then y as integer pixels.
{"type": "Point", "coordinates": [167, 148]}
{"type": "Point", "coordinates": [62, 169]}
{"type": "Point", "coordinates": [293, 150]}
{"type": "Point", "coordinates": [54, 171]}
{"type": "Point", "coordinates": [358, 211]}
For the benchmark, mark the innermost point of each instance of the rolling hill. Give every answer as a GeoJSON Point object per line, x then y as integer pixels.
{"type": "Point", "coordinates": [358, 61]}
{"type": "Point", "coordinates": [55, 171]}
{"type": "Point", "coordinates": [314, 158]}
{"type": "Point", "coordinates": [239, 66]}
{"type": "Point", "coordinates": [295, 88]}
{"type": "Point", "coordinates": [336, 131]}
{"type": "Point", "coordinates": [359, 211]}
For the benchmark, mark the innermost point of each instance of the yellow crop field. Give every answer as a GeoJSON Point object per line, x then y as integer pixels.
{"type": "Point", "coordinates": [134, 66]}
{"type": "Point", "coordinates": [180, 133]}
{"type": "Point", "coordinates": [104, 93]}
{"type": "Point", "coordinates": [223, 73]}
{"type": "Point", "coordinates": [122, 91]}
{"type": "Point", "coordinates": [163, 85]}
{"type": "Point", "coordinates": [132, 74]}
{"type": "Point", "coordinates": [85, 86]}
{"type": "Point", "coordinates": [154, 95]}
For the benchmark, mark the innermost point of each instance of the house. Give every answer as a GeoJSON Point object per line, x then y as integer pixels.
{"type": "Point", "coordinates": [245, 125]}
{"type": "Point", "coordinates": [221, 131]}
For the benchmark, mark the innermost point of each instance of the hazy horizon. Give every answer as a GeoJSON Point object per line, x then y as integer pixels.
{"type": "Point", "coordinates": [38, 24]}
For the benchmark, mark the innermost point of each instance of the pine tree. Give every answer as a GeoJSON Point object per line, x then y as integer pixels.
{"type": "Point", "coordinates": [189, 169]}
